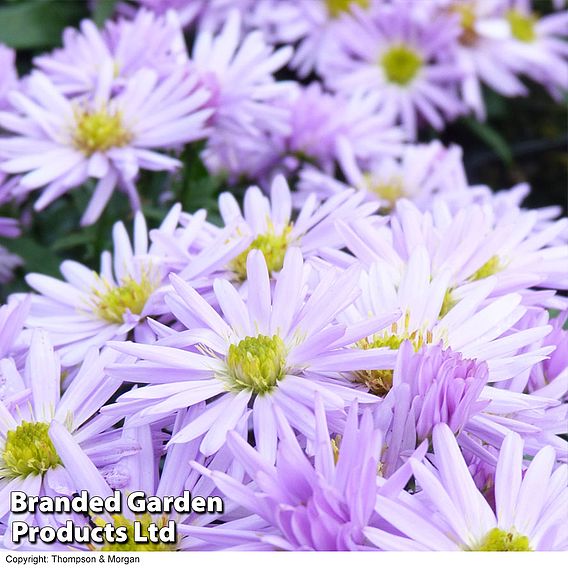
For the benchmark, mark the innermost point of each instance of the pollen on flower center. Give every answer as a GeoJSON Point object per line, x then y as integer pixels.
{"type": "Point", "coordinates": [99, 131]}
{"type": "Point", "coordinates": [256, 363]}
{"type": "Point", "coordinates": [272, 246]}
{"type": "Point", "coordinates": [28, 451]}
{"type": "Point", "coordinates": [390, 190]}
{"type": "Point", "coordinates": [468, 19]}
{"type": "Point", "coordinates": [497, 540]}
{"type": "Point", "coordinates": [492, 266]}
{"type": "Point", "coordinates": [401, 64]}
{"type": "Point", "coordinates": [113, 301]}
{"type": "Point", "coordinates": [338, 7]}
{"type": "Point", "coordinates": [130, 545]}
{"type": "Point", "coordinates": [379, 381]}
{"type": "Point", "coordinates": [522, 26]}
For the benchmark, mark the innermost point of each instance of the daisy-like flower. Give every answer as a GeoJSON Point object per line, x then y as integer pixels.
{"type": "Point", "coordinates": [472, 244]}
{"type": "Point", "coordinates": [303, 503]}
{"type": "Point", "coordinates": [398, 57]}
{"type": "Point", "coordinates": [468, 323]}
{"type": "Point", "coordinates": [268, 223]}
{"type": "Point", "coordinates": [29, 461]}
{"type": "Point", "coordinates": [311, 25]}
{"type": "Point", "coordinates": [540, 45]}
{"type": "Point", "coordinates": [323, 123]}
{"type": "Point", "coordinates": [422, 171]}
{"type": "Point", "coordinates": [270, 352]}
{"type": "Point", "coordinates": [449, 513]}
{"type": "Point", "coordinates": [146, 42]}
{"type": "Point", "coordinates": [59, 143]}
{"type": "Point", "coordinates": [239, 73]}
{"type": "Point", "coordinates": [89, 309]}
{"type": "Point", "coordinates": [482, 50]}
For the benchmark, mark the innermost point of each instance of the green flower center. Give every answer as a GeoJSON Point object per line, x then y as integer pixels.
{"type": "Point", "coordinates": [497, 540]}
{"type": "Point", "coordinates": [256, 363]}
{"type": "Point", "coordinates": [522, 26]}
{"type": "Point", "coordinates": [492, 266]}
{"type": "Point", "coordinates": [272, 246]}
{"type": "Point", "coordinates": [448, 303]}
{"type": "Point", "coordinates": [28, 451]}
{"type": "Point", "coordinates": [130, 546]}
{"type": "Point", "coordinates": [99, 131]}
{"type": "Point", "coordinates": [338, 7]}
{"type": "Point", "coordinates": [379, 381]}
{"type": "Point", "coordinates": [401, 64]}
{"type": "Point", "coordinates": [113, 301]}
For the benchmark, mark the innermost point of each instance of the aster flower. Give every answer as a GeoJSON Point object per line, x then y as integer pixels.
{"type": "Point", "coordinates": [311, 25]}
{"type": "Point", "coordinates": [449, 513]}
{"type": "Point", "coordinates": [271, 352]}
{"type": "Point", "coordinates": [12, 318]}
{"type": "Point", "coordinates": [268, 223]}
{"type": "Point", "coordinates": [303, 503]}
{"type": "Point", "coordinates": [422, 171]}
{"type": "Point", "coordinates": [59, 143]}
{"type": "Point", "coordinates": [146, 42]}
{"type": "Point", "coordinates": [239, 73]}
{"type": "Point", "coordinates": [472, 244]}
{"type": "Point", "coordinates": [90, 308]}
{"type": "Point", "coordinates": [410, 77]}
{"type": "Point", "coordinates": [29, 461]}
{"type": "Point", "coordinates": [469, 323]}
{"type": "Point", "coordinates": [482, 50]}
{"type": "Point", "coordinates": [539, 44]}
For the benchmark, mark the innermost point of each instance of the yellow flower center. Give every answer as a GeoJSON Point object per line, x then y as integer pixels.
{"type": "Point", "coordinates": [522, 26]}
{"type": "Point", "coordinates": [130, 545]}
{"type": "Point", "coordinates": [379, 381]}
{"type": "Point", "coordinates": [497, 540]}
{"type": "Point", "coordinates": [338, 7]}
{"type": "Point", "coordinates": [113, 301]}
{"type": "Point", "coordinates": [272, 246]}
{"type": "Point", "coordinates": [28, 451]}
{"type": "Point", "coordinates": [256, 363]}
{"type": "Point", "coordinates": [492, 266]}
{"type": "Point", "coordinates": [401, 64]}
{"type": "Point", "coordinates": [468, 20]}
{"type": "Point", "coordinates": [99, 131]}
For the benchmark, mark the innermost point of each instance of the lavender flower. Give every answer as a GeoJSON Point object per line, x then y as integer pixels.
{"type": "Point", "coordinates": [411, 78]}
{"type": "Point", "coordinates": [449, 513]}
{"type": "Point", "coordinates": [8, 74]}
{"type": "Point", "coordinates": [59, 143]}
{"type": "Point", "coordinates": [272, 352]}
{"type": "Point", "coordinates": [323, 503]}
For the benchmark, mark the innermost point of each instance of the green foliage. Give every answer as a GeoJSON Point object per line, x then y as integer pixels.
{"type": "Point", "coordinates": [34, 24]}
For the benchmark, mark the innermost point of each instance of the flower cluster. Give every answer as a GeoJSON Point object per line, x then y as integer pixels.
{"type": "Point", "coordinates": [362, 351]}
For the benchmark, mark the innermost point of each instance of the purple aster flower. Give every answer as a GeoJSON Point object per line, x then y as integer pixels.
{"type": "Point", "coordinates": [311, 25]}
{"type": "Point", "coordinates": [12, 318]}
{"type": "Point", "coordinates": [320, 503]}
{"type": "Point", "coordinates": [239, 71]}
{"type": "Point", "coordinates": [540, 45]}
{"type": "Point", "coordinates": [267, 224]}
{"type": "Point", "coordinates": [471, 244]}
{"type": "Point", "coordinates": [59, 143]}
{"type": "Point", "coordinates": [423, 170]}
{"type": "Point", "coordinates": [389, 52]}
{"type": "Point", "coordinates": [449, 512]}
{"type": "Point", "coordinates": [90, 308]}
{"type": "Point", "coordinates": [271, 352]}
{"type": "Point", "coordinates": [29, 461]}
{"type": "Point", "coordinates": [146, 42]}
